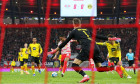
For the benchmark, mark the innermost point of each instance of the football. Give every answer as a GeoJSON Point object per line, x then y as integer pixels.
{"type": "Point", "coordinates": [54, 74]}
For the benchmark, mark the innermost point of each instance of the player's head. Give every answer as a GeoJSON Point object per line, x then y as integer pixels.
{"type": "Point", "coordinates": [25, 45]}
{"type": "Point", "coordinates": [111, 36]}
{"type": "Point", "coordinates": [76, 23]}
{"type": "Point", "coordinates": [130, 50]}
{"type": "Point", "coordinates": [34, 40]}
{"type": "Point", "coordinates": [20, 49]}
{"type": "Point", "coordinates": [62, 37]}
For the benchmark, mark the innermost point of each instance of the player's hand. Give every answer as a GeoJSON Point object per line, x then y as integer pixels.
{"type": "Point", "coordinates": [53, 51]}
{"type": "Point", "coordinates": [39, 54]}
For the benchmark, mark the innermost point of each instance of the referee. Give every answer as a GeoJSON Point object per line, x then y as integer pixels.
{"type": "Point", "coordinates": [130, 57]}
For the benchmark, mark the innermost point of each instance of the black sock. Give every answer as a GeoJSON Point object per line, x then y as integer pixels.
{"type": "Point", "coordinates": [78, 69]}
{"type": "Point", "coordinates": [134, 70]}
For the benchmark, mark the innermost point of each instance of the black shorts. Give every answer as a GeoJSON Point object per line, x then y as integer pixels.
{"type": "Point", "coordinates": [84, 54]}
{"type": "Point", "coordinates": [35, 59]}
{"type": "Point", "coordinates": [25, 60]}
{"type": "Point", "coordinates": [21, 63]}
{"type": "Point", "coordinates": [115, 60]}
{"type": "Point", "coordinates": [131, 62]}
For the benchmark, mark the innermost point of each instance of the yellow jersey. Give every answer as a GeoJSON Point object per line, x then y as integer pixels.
{"type": "Point", "coordinates": [113, 50]}
{"type": "Point", "coordinates": [20, 56]}
{"type": "Point", "coordinates": [25, 53]}
{"type": "Point", "coordinates": [13, 63]}
{"type": "Point", "coordinates": [35, 49]}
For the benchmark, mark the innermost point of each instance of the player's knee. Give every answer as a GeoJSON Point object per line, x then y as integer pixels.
{"type": "Point", "coordinates": [74, 65]}
{"type": "Point", "coordinates": [66, 59]}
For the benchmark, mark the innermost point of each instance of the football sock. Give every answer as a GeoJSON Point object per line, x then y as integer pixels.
{"type": "Point", "coordinates": [103, 69]}
{"type": "Point", "coordinates": [78, 69]}
{"type": "Point", "coordinates": [124, 71]}
{"type": "Point", "coordinates": [65, 66]}
{"type": "Point", "coordinates": [134, 70]}
{"type": "Point", "coordinates": [39, 67]}
{"type": "Point", "coordinates": [33, 69]}
{"type": "Point", "coordinates": [25, 65]}
{"type": "Point", "coordinates": [12, 69]}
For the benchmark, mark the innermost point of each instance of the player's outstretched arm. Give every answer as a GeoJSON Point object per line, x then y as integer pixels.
{"type": "Point", "coordinates": [56, 55]}
{"type": "Point", "coordinates": [101, 43]}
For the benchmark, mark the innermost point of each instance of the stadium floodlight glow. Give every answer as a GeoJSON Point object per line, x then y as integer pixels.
{"type": "Point", "coordinates": [31, 11]}
{"type": "Point", "coordinates": [6, 9]}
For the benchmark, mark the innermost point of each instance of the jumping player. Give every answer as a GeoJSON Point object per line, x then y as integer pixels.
{"type": "Point", "coordinates": [25, 57]}
{"type": "Point", "coordinates": [130, 57]}
{"type": "Point", "coordinates": [20, 58]}
{"type": "Point", "coordinates": [83, 37]}
{"type": "Point", "coordinates": [36, 51]}
{"type": "Point", "coordinates": [114, 53]}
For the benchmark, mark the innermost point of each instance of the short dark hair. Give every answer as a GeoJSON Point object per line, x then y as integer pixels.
{"type": "Point", "coordinates": [110, 35]}
{"type": "Point", "coordinates": [76, 21]}
{"type": "Point", "coordinates": [62, 35]}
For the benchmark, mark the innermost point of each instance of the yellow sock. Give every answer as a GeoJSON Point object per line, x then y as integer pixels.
{"type": "Point", "coordinates": [39, 67]}
{"type": "Point", "coordinates": [124, 71]}
{"type": "Point", "coordinates": [12, 69]}
{"type": "Point", "coordinates": [25, 66]}
{"type": "Point", "coordinates": [33, 69]}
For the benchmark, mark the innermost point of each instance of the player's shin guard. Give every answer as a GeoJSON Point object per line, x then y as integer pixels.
{"type": "Point", "coordinates": [64, 67]}
{"type": "Point", "coordinates": [78, 69]}
{"type": "Point", "coordinates": [124, 71]}
{"type": "Point", "coordinates": [33, 69]}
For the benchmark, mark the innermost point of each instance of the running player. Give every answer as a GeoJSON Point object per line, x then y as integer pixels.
{"type": "Point", "coordinates": [130, 57]}
{"type": "Point", "coordinates": [13, 63]}
{"type": "Point", "coordinates": [65, 54]}
{"type": "Point", "coordinates": [83, 37]}
{"type": "Point", "coordinates": [114, 53]}
{"type": "Point", "coordinates": [36, 51]}
{"type": "Point", "coordinates": [25, 57]}
{"type": "Point", "coordinates": [20, 58]}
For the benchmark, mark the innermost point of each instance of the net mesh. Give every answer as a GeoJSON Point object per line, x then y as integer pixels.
{"type": "Point", "coordinates": [21, 33]}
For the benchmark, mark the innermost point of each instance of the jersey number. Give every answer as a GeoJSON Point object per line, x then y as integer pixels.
{"type": "Point", "coordinates": [87, 35]}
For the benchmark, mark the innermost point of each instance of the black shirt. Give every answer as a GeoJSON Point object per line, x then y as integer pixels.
{"type": "Point", "coordinates": [83, 36]}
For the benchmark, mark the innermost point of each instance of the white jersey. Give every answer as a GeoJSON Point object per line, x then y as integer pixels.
{"type": "Point", "coordinates": [66, 49]}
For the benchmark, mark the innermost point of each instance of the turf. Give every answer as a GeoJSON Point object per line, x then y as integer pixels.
{"type": "Point", "coordinates": [70, 77]}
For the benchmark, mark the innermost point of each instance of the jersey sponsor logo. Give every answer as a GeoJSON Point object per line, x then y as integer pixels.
{"type": "Point", "coordinates": [113, 49]}
{"type": "Point", "coordinates": [34, 48]}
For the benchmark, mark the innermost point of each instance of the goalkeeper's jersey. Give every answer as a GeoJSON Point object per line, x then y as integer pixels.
{"type": "Point", "coordinates": [25, 53]}
{"type": "Point", "coordinates": [35, 49]}
{"type": "Point", "coordinates": [20, 56]}
{"type": "Point", "coordinates": [113, 50]}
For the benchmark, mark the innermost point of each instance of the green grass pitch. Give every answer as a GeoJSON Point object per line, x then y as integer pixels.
{"type": "Point", "coordinates": [70, 77]}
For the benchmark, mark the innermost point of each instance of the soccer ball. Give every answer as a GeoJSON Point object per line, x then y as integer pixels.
{"type": "Point", "coordinates": [54, 74]}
